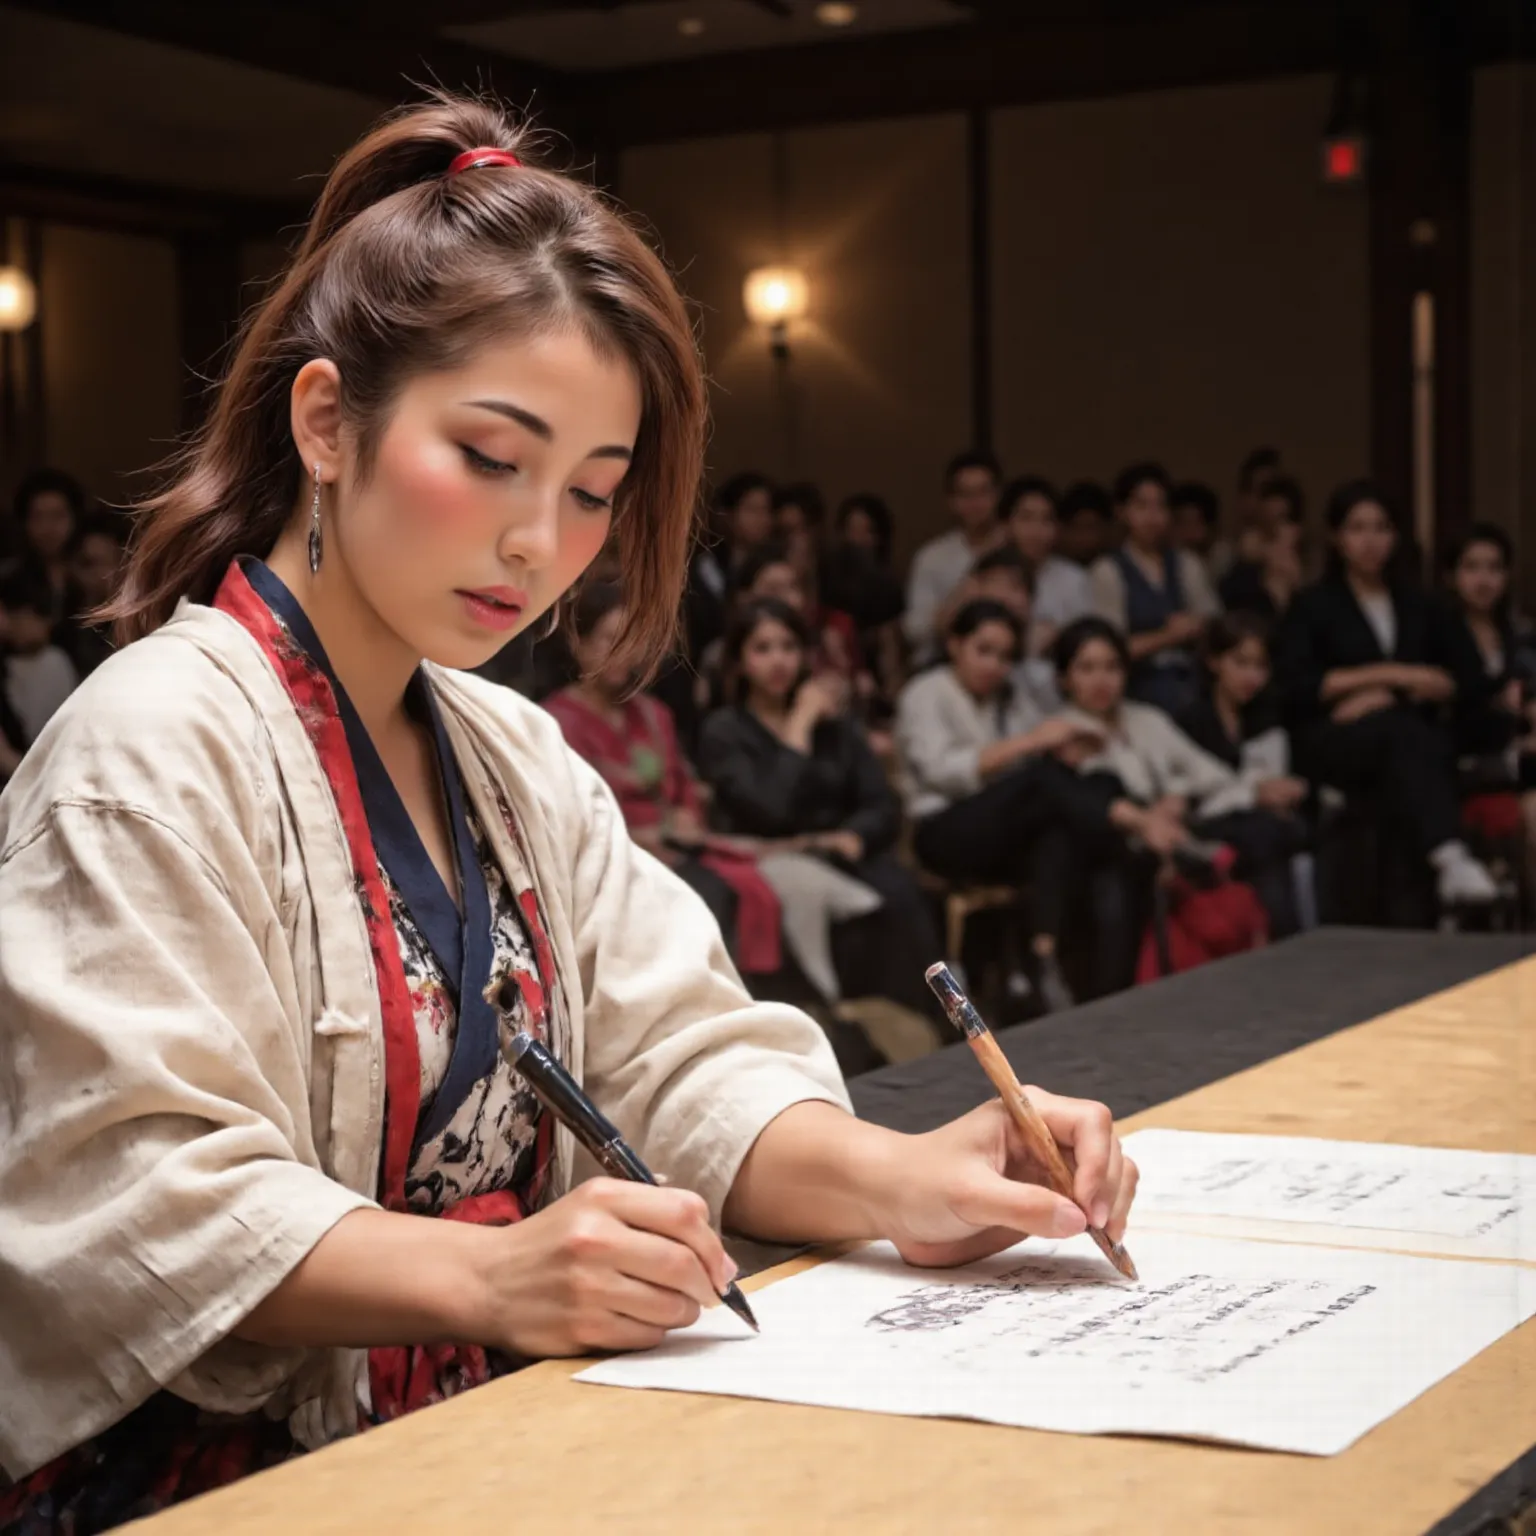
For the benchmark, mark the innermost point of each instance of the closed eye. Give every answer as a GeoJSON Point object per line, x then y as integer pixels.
{"type": "Point", "coordinates": [483, 464]}
{"type": "Point", "coordinates": [589, 501]}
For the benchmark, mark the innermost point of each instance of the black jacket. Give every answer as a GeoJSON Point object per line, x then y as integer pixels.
{"type": "Point", "coordinates": [765, 789]}
{"type": "Point", "coordinates": [1325, 628]}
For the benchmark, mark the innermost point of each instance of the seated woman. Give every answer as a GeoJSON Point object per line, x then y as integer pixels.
{"type": "Point", "coordinates": [1178, 793]}
{"type": "Point", "coordinates": [629, 738]}
{"type": "Point", "coordinates": [1237, 721]}
{"type": "Point", "coordinates": [857, 579]}
{"type": "Point", "coordinates": [1059, 590]}
{"type": "Point", "coordinates": [1155, 594]}
{"type": "Point", "coordinates": [1496, 734]}
{"type": "Point", "coordinates": [771, 572]}
{"type": "Point", "coordinates": [990, 800]}
{"type": "Point", "coordinates": [787, 766]}
{"type": "Point", "coordinates": [1367, 668]}
{"type": "Point", "coordinates": [1267, 586]}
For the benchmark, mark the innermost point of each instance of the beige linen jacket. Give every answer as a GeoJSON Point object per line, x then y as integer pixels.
{"type": "Point", "coordinates": [191, 1051]}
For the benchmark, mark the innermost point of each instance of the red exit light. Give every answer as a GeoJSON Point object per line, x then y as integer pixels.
{"type": "Point", "coordinates": [1343, 160]}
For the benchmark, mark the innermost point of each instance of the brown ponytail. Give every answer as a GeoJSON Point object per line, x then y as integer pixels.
{"type": "Point", "coordinates": [404, 270]}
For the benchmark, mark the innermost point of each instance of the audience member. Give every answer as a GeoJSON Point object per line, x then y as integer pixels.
{"type": "Point", "coordinates": [770, 572]}
{"type": "Point", "coordinates": [856, 579]}
{"type": "Point", "coordinates": [1258, 469]}
{"type": "Point", "coordinates": [936, 582]}
{"type": "Point", "coordinates": [1237, 721]}
{"type": "Point", "coordinates": [1265, 587]}
{"type": "Point", "coordinates": [629, 738]}
{"type": "Point", "coordinates": [742, 521]}
{"type": "Point", "coordinates": [787, 767]}
{"type": "Point", "coordinates": [989, 800]}
{"type": "Point", "coordinates": [1087, 523]}
{"type": "Point", "coordinates": [1367, 668]}
{"type": "Point", "coordinates": [799, 513]}
{"type": "Point", "coordinates": [38, 676]}
{"type": "Point", "coordinates": [1157, 595]}
{"type": "Point", "coordinates": [1497, 731]}
{"type": "Point", "coordinates": [1178, 798]}
{"type": "Point", "coordinates": [94, 563]}
{"type": "Point", "coordinates": [1197, 527]}
{"type": "Point", "coordinates": [1058, 589]}
{"type": "Point", "coordinates": [49, 507]}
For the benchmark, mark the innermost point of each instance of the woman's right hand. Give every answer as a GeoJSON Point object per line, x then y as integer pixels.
{"type": "Point", "coordinates": [612, 1265]}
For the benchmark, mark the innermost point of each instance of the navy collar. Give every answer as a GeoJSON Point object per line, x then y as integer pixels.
{"type": "Point", "coordinates": [459, 933]}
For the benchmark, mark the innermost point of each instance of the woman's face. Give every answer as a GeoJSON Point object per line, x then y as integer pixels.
{"type": "Point", "coordinates": [780, 580]}
{"type": "Point", "coordinates": [48, 524]}
{"type": "Point", "coordinates": [1242, 673]}
{"type": "Point", "coordinates": [95, 567]}
{"type": "Point", "coordinates": [1146, 515]}
{"type": "Point", "coordinates": [771, 660]}
{"type": "Point", "coordinates": [1033, 524]}
{"type": "Point", "coordinates": [1095, 681]}
{"type": "Point", "coordinates": [594, 652]}
{"type": "Point", "coordinates": [491, 491]}
{"type": "Point", "coordinates": [1282, 552]}
{"type": "Point", "coordinates": [1481, 578]}
{"type": "Point", "coordinates": [859, 531]}
{"type": "Point", "coordinates": [1366, 539]}
{"type": "Point", "coordinates": [983, 659]}
{"type": "Point", "coordinates": [751, 521]}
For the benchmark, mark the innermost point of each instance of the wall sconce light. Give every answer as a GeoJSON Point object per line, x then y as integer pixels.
{"type": "Point", "coordinates": [18, 299]}
{"type": "Point", "coordinates": [774, 296]}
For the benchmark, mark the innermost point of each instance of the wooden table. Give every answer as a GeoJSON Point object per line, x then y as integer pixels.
{"type": "Point", "coordinates": [537, 1452]}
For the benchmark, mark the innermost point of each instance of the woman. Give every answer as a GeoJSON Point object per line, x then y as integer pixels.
{"type": "Point", "coordinates": [1178, 798]}
{"type": "Point", "coordinates": [771, 572]}
{"type": "Point", "coordinates": [1059, 590]}
{"type": "Point", "coordinates": [1266, 587]}
{"type": "Point", "coordinates": [798, 514]}
{"type": "Point", "coordinates": [629, 738]}
{"type": "Point", "coordinates": [742, 521]}
{"type": "Point", "coordinates": [262, 871]}
{"type": "Point", "coordinates": [49, 506]}
{"type": "Point", "coordinates": [787, 765]}
{"type": "Point", "coordinates": [1367, 669]}
{"type": "Point", "coordinates": [1495, 734]}
{"type": "Point", "coordinates": [1158, 596]}
{"type": "Point", "coordinates": [856, 579]}
{"type": "Point", "coordinates": [990, 800]}
{"type": "Point", "coordinates": [1236, 721]}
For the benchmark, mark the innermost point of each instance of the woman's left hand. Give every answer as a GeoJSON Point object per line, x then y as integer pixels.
{"type": "Point", "coordinates": [970, 1189]}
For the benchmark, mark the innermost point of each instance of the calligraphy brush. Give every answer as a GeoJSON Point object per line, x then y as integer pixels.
{"type": "Point", "coordinates": [1038, 1140]}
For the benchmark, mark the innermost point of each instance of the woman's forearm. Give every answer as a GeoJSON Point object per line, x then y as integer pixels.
{"type": "Point", "coordinates": [378, 1278]}
{"type": "Point", "coordinates": [1341, 681]}
{"type": "Point", "coordinates": [1149, 643]}
{"type": "Point", "coordinates": [815, 1175]}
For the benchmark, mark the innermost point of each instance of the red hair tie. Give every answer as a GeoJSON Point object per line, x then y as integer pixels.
{"type": "Point", "coordinates": [473, 159]}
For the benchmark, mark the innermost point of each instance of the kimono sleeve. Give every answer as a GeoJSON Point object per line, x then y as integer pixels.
{"type": "Point", "coordinates": [677, 1053]}
{"type": "Point", "coordinates": [152, 1103]}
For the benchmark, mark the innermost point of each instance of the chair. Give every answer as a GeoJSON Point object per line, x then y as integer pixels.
{"type": "Point", "coordinates": [961, 903]}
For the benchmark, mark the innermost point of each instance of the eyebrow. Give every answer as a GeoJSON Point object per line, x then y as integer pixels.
{"type": "Point", "coordinates": [542, 429]}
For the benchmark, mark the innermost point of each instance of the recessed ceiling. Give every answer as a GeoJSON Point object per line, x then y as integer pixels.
{"type": "Point", "coordinates": [582, 36]}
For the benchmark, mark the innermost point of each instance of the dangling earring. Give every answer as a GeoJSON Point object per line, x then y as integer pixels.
{"type": "Point", "coordinates": [550, 625]}
{"type": "Point", "coordinates": [315, 547]}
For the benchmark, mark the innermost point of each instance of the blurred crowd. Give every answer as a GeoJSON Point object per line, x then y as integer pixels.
{"type": "Point", "coordinates": [1090, 735]}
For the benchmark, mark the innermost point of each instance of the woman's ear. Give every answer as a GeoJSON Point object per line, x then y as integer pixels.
{"type": "Point", "coordinates": [314, 414]}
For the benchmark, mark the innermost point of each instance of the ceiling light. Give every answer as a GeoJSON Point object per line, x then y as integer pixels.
{"type": "Point", "coordinates": [837, 13]}
{"type": "Point", "coordinates": [691, 26]}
